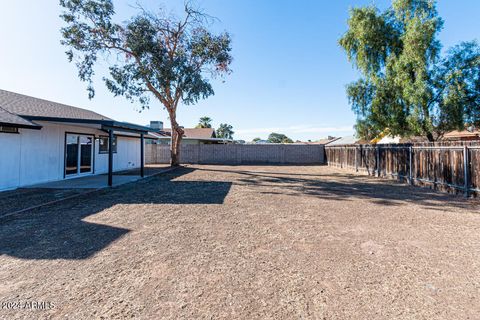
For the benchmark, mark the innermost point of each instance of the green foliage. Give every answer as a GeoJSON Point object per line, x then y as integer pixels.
{"type": "Point", "coordinates": [170, 57]}
{"type": "Point", "coordinates": [279, 138]}
{"type": "Point", "coordinates": [406, 86]}
{"type": "Point", "coordinates": [204, 122]}
{"type": "Point", "coordinates": [256, 139]}
{"type": "Point", "coordinates": [225, 131]}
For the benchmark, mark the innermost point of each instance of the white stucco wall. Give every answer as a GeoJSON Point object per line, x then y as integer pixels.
{"type": "Point", "coordinates": [36, 156]}
{"type": "Point", "coordinates": [127, 156]}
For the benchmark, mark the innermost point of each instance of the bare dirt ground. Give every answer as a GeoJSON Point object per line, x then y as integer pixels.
{"type": "Point", "coordinates": [21, 199]}
{"type": "Point", "coordinates": [214, 242]}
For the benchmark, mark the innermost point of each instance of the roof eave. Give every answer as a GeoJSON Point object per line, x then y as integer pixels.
{"type": "Point", "coordinates": [23, 126]}
{"type": "Point", "coordinates": [106, 124]}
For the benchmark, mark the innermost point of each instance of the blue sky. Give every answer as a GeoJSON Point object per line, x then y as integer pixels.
{"type": "Point", "coordinates": [289, 73]}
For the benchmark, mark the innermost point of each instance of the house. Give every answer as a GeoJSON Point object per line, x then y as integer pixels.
{"type": "Point", "coordinates": [388, 140]}
{"type": "Point", "coordinates": [324, 141]}
{"type": "Point", "coordinates": [465, 135]}
{"type": "Point", "coordinates": [191, 135]}
{"type": "Point", "coordinates": [44, 141]}
{"type": "Point", "coordinates": [261, 142]}
{"type": "Point", "coordinates": [344, 141]}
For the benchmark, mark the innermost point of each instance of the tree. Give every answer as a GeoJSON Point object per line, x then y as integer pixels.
{"type": "Point", "coordinates": [279, 138]}
{"type": "Point", "coordinates": [161, 56]}
{"type": "Point", "coordinates": [255, 140]}
{"type": "Point", "coordinates": [406, 86]}
{"type": "Point", "coordinates": [225, 131]}
{"type": "Point", "coordinates": [204, 122]}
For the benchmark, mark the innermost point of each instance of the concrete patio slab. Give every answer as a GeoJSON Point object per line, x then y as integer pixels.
{"type": "Point", "coordinates": [101, 181]}
{"type": "Point", "coordinates": [88, 182]}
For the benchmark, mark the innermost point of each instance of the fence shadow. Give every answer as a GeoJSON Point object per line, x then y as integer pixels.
{"type": "Point", "coordinates": [339, 186]}
{"type": "Point", "coordinates": [448, 166]}
{"type": "Point", "coordinates": [59, 231]}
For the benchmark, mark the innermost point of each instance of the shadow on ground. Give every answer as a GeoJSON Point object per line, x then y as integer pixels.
{"type": "Point", "coordinates": [339, 186]}
{"type": "Point", "coordinates": [59, 232]}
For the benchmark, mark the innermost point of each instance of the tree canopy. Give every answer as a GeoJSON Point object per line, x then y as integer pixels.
{"type": "Point", "coordinates": [225, 131]}
{"type": "Point", "coordinates": [406, 85]}
{"type": "Point", "coordinates": [169, 58]}
{"type": "Point", "coordinates": [279, 138]}
{"type": "Point", "coordinates": [204, 122]}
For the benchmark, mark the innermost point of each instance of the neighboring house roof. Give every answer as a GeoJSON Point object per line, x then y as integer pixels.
{"type": "Point", "coordinates": [262, 142]}
{"type": "Point", "coordinates": [324, 141]}
{"type": "Point", "coordinates": [414, 139]}
{"type": "Point", "coordinates": [389, 140]}
{"type": "Point", "coordinates": [23, 105]}
{"type": "Point", "coordinates": [195, 133]}
{"type": "Point", "coordinates": [462, 134]}
{"type": "Point", "coordinates": [343, 140]}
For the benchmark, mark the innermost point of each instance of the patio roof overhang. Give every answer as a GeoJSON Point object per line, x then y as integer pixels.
{"type": "Point", "coordinates": [102, 124]}
{"type": "Point", "coordinates": [111, 127]}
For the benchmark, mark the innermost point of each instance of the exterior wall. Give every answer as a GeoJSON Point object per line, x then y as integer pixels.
{"type": "Point", "coordinates": [37, 156]}
{"type": "Point", "coordinates": [236, 154]}
{"type": "Point", "coordinates": [127, 156]}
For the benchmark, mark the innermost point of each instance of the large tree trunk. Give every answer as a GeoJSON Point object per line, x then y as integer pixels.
{"type": "Point", "coordinates": [430, 137]}
{"type": "Point", "coordinates": [425, 124]}
{"type": "Point", "coordinates": [177, 134]}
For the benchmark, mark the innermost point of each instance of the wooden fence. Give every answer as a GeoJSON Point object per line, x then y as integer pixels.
{"type": "Point", "coordinates": [447, 167]}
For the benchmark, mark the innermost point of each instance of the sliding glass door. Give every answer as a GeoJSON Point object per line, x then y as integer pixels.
{"type": "Point", "coordinates": [86, 152]}
{"type": "Point", "coordinates": [78, 154]}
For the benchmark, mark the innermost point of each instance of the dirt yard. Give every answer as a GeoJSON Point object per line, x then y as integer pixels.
{"type": "Point", "coordinates": [215, 242]}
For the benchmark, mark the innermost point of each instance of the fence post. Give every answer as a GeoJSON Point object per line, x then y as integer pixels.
{"type": "Point", "coordinates": [410, 175]}
{"type": "Point", "coordinates": [466, 169]}
{"type": "Point", "coordinates": [356, 159]}
{"type": "Point", "coordinates": [378, 160]}
{"type": "Point", "coordinates": [341, 158]}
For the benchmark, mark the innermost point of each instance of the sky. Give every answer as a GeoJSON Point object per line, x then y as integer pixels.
{"type": "Point", "coordinates": [289, 74]}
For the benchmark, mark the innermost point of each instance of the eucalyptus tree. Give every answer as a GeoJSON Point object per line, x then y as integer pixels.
{"type": "Point", "coordinates": [170, 59]}
{"type": "Point", "coordinates": [406, 85]}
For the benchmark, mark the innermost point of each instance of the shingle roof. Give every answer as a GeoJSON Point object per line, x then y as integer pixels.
{"type": "Point", "coordinates": [462, 134]}
{"type": "Point", "coordinates": [196, 133]}
{"type": "Point", "coordinates": [25, 106]}
{"type": "Point", "coordinates": [326, 141]}
{"type": "Point", "coordinates": [343, 141]}
{"type": "Point", "coordinates": [7, 118]}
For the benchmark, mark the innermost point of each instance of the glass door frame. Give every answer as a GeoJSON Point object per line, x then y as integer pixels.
{"type": "Point", "coordinates": [79, 155]}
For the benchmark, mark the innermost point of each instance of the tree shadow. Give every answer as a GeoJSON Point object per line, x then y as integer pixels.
{"type": "Point", "coordinates": [339, 186]}
{"type": "Point", "coordinates": [58, 231]}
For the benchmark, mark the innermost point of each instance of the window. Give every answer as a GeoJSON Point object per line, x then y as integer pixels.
{"type": "Point", "coordinates": [103, 145]}
{"type": "Point", "coordinates": [8, 129]}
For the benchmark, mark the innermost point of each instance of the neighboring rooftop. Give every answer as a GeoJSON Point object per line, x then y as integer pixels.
{"type": "Point", "coordinates": [326, 140]}
{"type": "Point", "coordinates": [465, 134]}
{"type": "Point", "coordinates": [343, 140]}
{"type": "Point", "coordinates": [195, 133]}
